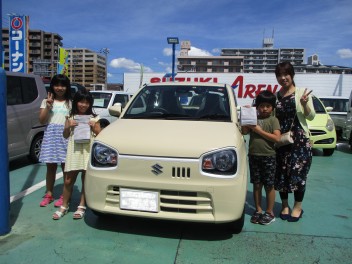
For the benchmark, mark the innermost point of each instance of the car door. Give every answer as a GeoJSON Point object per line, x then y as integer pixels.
{"type": "Point", "coordinates": [21, 92]}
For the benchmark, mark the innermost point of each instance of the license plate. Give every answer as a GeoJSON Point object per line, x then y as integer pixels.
{"type": "Point", "coordinates": [138, 200]}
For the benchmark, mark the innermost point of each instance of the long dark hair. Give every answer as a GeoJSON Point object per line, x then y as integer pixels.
{"type": "Point", "coordinates": [79, 96]}
{"type": "Point", "coordinates": [285, 68]}
{"type": "Point", "coordinates": [62, 80]}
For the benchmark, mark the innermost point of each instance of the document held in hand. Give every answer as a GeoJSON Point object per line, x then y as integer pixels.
{"type": "Point", "coordinates": [248, 116]}
{"type": "Point", "coordinates": [82, 130]}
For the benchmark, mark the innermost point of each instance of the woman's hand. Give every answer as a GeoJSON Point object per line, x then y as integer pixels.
{"type": "Point", "coordinates": [305, 97]}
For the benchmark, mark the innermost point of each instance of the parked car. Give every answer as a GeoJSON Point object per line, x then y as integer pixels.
{"type": "Point", "coordinates": [105, 99]}
{"type": "Point", "coordinates": [25, 93]}
{"type": "Point", "coordinates": [172, 161]}
{"type": "Point", "coordinates": [322, 129]}
{"type": "Point", "coordinates": [337, 107]}
{"type": "Point", "coordinates": [347, 129]}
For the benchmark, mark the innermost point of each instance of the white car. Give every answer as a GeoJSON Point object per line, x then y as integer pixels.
{"type": "Point", "coordinates": [337, 107]}
{"type": "Point", "coordinates": [105, 99]}
{"type": "Point", "coordinates": [169, 160]}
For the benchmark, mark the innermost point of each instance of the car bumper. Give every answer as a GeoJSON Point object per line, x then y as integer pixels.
{"type": "Point", "coordinates": [322, 138]}
{"type": "Point", "coordinates": [182, 192]}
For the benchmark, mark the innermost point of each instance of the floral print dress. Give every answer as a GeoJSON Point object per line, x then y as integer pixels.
{"type": "Point", "coordinates": [293, 161]}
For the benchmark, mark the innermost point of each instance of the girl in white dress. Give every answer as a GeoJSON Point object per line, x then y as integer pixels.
{"type": "Point", "coordinates": [53, 111]}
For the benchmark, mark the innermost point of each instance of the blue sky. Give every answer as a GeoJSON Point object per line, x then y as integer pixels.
{"type": "Point", "coordinates": [135, 31]}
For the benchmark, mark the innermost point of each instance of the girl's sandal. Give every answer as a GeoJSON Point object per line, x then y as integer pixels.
{"type": "Point", "coordinates": [79, 214]}
{"type": "Point", "coordinates": [58, 214]}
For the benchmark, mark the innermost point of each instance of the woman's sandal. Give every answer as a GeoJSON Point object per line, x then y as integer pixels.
{"type": "Point", "coordinates": [58, 214]}
{"type": "Point", "coordinates": [79, 214]}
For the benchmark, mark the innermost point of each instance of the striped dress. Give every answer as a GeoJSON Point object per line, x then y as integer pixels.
{"type": "Point", "coordinates": [54, 145]}
{"type": "Point", "coordinates": [78, 154]}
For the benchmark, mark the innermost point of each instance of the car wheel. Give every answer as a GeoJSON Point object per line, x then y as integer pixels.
{"type": "Point", "coordinates": [36, 146]}
{"type": "Point", "coordinates": [328, 152]}
{"type": "Point", "coordinates": [236, 226]}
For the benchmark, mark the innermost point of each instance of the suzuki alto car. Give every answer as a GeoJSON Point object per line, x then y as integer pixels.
{"type": "Point", "coordinates": [169, 160]}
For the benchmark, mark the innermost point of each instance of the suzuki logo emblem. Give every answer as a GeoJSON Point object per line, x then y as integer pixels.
{"type": "Point", "coordinates": [156, 169]}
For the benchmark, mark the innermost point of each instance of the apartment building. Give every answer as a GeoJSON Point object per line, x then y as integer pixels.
{"type": "Point", "coordinates": [86, 67]}
{"type": "Point", "coordinates": [42, 51]}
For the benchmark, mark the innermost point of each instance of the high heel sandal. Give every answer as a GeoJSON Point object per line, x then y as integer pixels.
{"type": "Point", "coordinates": [58, 214]}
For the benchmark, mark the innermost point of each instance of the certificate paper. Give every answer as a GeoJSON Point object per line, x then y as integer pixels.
{"type": "Point", "coordinates": [82, 130]}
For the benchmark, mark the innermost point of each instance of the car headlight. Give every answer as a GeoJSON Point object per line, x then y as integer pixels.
{"type": "Point", "coordinates": [103, 156]}
{"type": "Point", "coordinates": [330, 125]}
{"type": "Point", "coordinates": [222, 162]}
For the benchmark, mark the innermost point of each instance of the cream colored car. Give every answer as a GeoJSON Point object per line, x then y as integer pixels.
{"type": "Point", "coordinates": [168, 158]}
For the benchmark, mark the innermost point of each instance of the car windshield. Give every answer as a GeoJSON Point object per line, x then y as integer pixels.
{"type": "Point", "coordinates": [337, 104]}
{"type": "Point", "coordinates": [101, 100]}
{"type": "Point", "coordinates": [318, 106]}
{"type": "Point", "coordinates": [181, 102]}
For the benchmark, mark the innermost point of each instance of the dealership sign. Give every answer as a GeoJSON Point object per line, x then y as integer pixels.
{"type": "Point", "coordinates": [246, 86]}
{"type": "Point", "coordinates": [17, 39]}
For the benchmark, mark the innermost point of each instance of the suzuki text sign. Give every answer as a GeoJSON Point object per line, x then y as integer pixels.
{"type": "Point", "coordinates": [17, 39]}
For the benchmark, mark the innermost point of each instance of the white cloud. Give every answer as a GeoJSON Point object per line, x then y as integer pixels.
{"type": "Point", "coordinates": [129, 65]}
{"type": "Point", "coordinates": [198, 52]}
{"type": "Point", "coordinates": [216, 50]}
{"type": "Point", "coordinates": [167, 51]}
{"type": "Point", "coordinates": [345, 53]}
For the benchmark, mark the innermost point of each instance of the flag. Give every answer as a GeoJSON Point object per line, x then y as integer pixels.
{"type": "Point", "coordinates": [62, 65]}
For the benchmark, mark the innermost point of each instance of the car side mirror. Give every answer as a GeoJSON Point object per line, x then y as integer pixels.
{"type": "Point", "coordinates": [329, 108]}
{"type": "Point", "coordinates": [115, 110]}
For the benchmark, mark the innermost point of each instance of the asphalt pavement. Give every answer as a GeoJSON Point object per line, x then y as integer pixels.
{"type": "Point", "coordinates": [323, 235]}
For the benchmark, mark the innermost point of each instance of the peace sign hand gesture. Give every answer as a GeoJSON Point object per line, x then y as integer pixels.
{"type": "Point", "coordinates": [305, 97]}
{"type": "Point", "coordinates": [50, 101]}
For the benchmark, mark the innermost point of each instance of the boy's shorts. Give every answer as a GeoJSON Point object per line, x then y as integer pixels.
{"type": "Point", "coordinates": [262, 170]}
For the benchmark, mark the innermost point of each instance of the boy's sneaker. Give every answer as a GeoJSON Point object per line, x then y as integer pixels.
{"type": "Point", "coordinates": [59, 202]}
{"type": "Point", "coordinates": [256, 217]}
{"type": "Point", "coordinates": [47, 199]}
{"type": "Point", "coordinates": [266, 219]}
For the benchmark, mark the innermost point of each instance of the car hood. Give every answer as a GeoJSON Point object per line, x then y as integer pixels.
{"type": "Point", "coordinates": [169, 138]}
{"type": "Point", "coordinates": [319, 120]}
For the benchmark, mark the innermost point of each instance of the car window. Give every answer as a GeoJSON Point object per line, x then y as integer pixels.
{"type": "Point", "coordinates": [101, 100]}
{"type": "Point", "coordinates": [21, 90]}
{"type": "Point", "coordinates": [337, 104]}
{"type": "Point", "coordinates": [318, 106]}
{"type": "Point", "coordinates": [181, 102]}
{"type": "Point", "coordinates": [121, 98]}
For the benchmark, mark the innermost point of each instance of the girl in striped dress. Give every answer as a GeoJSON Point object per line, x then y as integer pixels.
{"type": "Point", "coordinates": [53, 111]}
{"type": "Point", "coordinates": [78, 150]}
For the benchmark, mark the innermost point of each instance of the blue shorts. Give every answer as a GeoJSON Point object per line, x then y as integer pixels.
{"type": "Point", "coordinates": [262, 170]}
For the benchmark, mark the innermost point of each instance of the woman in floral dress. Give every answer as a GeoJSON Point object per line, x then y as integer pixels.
{"type": "Point", "coordinates": [294, 106]}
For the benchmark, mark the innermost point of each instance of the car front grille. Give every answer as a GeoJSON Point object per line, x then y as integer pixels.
{"type": "Point", "coordinates": [325, 141]}
{"type": "Point", "coordinates": [316, 132]}
{"type": "Point", "coordinates": [171, 201]}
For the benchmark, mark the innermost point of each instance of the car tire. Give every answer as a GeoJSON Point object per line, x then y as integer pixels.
{"type": "Point", "coordinates": [237, 225]}
{"type": "Point", "coordinates": [328, 152]}
{"type": "Point", "coordinates": [36, 146]}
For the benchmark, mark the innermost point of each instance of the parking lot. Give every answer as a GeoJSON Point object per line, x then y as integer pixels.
{"type": "Point", "coordinates": [323, 235]}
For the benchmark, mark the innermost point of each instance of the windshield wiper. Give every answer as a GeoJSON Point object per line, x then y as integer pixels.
{"type": "Point", "coordinates": [215, 117]}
